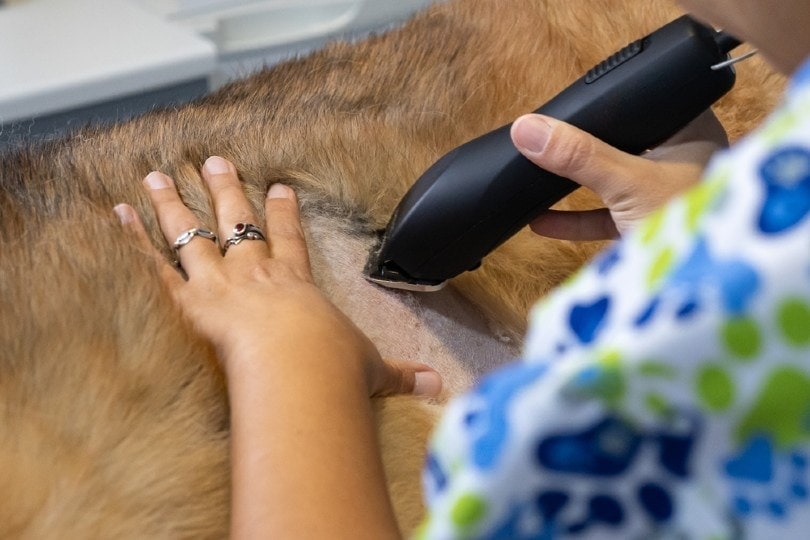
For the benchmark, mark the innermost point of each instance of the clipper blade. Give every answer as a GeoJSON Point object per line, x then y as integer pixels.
{"type": "Point", "coordinates": [388, 274]}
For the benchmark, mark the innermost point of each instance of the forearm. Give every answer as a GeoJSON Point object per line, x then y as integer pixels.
{"type": "Point", "coordinates": [302, 467]}
{"type": "Point", "coordinates": [305, 460]}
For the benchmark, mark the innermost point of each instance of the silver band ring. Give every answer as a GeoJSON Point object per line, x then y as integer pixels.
{"type": "Point", "coordinates": [243, 231]}
{"type": "Point", "coordinates": [188, 235]}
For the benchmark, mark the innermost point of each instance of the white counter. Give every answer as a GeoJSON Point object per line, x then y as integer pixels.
{"type": "Point", "coordinates": [65, 63]}
{"type": "Point", "coordinates": [62, 54]}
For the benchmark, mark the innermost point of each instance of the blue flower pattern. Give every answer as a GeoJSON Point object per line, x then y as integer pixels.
{"type": "Point", "coordinates": [584, 440]}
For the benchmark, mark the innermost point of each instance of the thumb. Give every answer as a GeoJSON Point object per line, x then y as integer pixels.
{"type": "Point", "coordinates": [567, 151]}
{"type": "Point", "coordinates": [398, 377]}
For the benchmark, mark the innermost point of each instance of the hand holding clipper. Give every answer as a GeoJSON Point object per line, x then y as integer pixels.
{"type": "Point", "coordinates": [480, 194]}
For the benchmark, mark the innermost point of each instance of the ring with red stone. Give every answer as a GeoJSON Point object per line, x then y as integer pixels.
{"type": "Point", "coordinates": [243, 231]}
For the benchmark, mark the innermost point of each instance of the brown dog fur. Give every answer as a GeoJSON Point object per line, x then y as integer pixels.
{"type": "Point", "coordinates": [116, 418]}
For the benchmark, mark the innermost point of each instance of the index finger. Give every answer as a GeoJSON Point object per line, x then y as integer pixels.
{"type": "Point", "coordinates": [284, 232]}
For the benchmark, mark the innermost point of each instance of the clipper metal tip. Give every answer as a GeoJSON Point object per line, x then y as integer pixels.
{"type": "Point", "coordinates": [388, 275]}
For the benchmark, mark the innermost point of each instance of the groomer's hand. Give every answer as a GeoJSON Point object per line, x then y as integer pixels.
{"type": "Point", "coordinates": [258, 301]}
{"type": "Point", "coordinates": [630, 186]}
{"type": "Point", "coordinates": [299, 372]}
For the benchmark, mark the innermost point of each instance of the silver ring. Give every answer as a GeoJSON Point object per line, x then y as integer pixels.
{"type": "Point", "coordinates": [188, 235]}
{"type": "Point", "coordinates": [243, 231]}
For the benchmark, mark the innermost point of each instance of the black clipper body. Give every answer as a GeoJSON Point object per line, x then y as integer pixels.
{"type": "Point", "coordinates": [480, 194]}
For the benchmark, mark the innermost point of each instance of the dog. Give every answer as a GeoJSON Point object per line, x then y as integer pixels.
{"type": "Point", "coordinates": [115, 412]}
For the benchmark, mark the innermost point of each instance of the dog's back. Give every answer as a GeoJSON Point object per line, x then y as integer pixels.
{"type": "Point", "coordinates": [116, 419]}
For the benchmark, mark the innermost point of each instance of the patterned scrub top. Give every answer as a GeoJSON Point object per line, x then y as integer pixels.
{"type": "Point", "coordinates": [665, 388]}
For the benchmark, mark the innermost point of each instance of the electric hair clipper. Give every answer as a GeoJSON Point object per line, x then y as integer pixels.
{"type": "Point", "coordinates": [480, 194]}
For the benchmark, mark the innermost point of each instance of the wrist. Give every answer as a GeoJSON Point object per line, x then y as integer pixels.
{"type": "Point", "coordinates": [309, 364]}
{"type": "Point", "coordinates": [310, 343]}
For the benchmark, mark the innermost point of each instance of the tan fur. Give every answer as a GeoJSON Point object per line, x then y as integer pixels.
{"type": "Point", "coordinates": [115, 415]}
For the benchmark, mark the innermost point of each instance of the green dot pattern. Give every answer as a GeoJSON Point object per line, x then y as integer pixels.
{"type": "Point", "coordinates": [779, 126]}
{"type": "Point", "coordinates": [651, 368]}
{"type": "Point", "coordinates": [794, 322]}
{"type": "Point", "coordinates": [742, 338]}
{"type": "Point", "coordinates": [657, 404]}
{"type": "Point", "coordinates": [660, 266]}
{"type": "Point", "coordinates": [780, 410]}
{"type": "Point", "coordinates": [697, 201]}
{"type": "Point", "coordinates": [651, 226]}
{"type": "Point", "coordinates": [468, 510]}
{"type": "Point", "coordinates": [715, 387]}
{"type": "Point", "coordinates": [421, 531]}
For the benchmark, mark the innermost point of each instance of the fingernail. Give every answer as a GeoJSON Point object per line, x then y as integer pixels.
{"type": "Point", "coordinates": [157, 180]}
{"type": "Point", "coordinates": [216, 165]}
{"type": "Point", "coordinates": [279, 191]}
{"type": "Point", "coordinates": [531, 133]}
{"type": "Point", "coordinates": [125, 213]}
{"type": "Point", "coordinates": [427, 383]}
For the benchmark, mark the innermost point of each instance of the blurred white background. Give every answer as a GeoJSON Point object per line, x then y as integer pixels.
{"type": "Point", "coordinates": [69, 62]}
